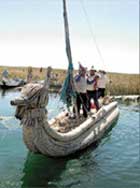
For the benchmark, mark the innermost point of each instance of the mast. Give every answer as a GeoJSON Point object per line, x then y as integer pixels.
{"type": "Point", "coordinates": [67, 38]}
{"type": "Point", "coordinates": [68, 91]}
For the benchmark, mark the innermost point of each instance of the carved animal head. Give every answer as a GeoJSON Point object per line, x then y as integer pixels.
{"type": "Point", "coordinates": [33, 96]}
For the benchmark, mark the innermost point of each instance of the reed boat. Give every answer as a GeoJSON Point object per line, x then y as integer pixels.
{"type": "Point", "coordinates": [62, 135]}
{"type": "Point", "coordinates": [11, 83]}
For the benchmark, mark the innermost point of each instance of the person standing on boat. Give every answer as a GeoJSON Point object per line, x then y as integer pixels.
{"type": "Point", "coordinates": [81, 87]}
{"type": "Point", "coordinates": [92, 88]}
{"type": "Point", "coordinates": [102, 83]}
{"type": "Point", "coordinates": [5, 74]}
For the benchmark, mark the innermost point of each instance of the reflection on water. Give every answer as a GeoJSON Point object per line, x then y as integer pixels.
{"type": "Point", "coordinates": [5, 92]}
{"type": "Point", "coordinates": [42, 171]}
{"type": "Point", "coordinates": [112, 162]}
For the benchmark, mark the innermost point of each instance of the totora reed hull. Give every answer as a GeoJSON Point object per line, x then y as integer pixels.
{"type": "Point", "coordinates": [43, 138]}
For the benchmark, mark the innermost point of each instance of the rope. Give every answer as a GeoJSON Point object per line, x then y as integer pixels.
{"type": "Point", "coordinates": [92, 34]}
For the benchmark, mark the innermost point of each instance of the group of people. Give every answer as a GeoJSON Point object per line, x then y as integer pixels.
{"type": "Point", "coordinates": [89, 87]}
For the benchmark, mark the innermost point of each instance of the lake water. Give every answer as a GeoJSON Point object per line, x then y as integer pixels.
{"type": "Point", "coordinates": [113, 163]}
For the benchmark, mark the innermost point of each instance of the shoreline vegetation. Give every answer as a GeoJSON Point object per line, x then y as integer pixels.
{"type": "Point", "coordinates": [120, 83]}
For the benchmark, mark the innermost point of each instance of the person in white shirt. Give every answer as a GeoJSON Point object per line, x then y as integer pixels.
{"type": "Point", "coordinates": [92, 89]}
{"type": "Point", "coordinates": [102, 83]}
{"type": "Point", "coordinates": [81, 89]}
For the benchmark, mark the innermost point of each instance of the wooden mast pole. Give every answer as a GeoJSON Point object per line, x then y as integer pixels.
{"type": "Point", "coordinates": [67, 38]}
{"type": "Point", "coordinates": [68, 49]}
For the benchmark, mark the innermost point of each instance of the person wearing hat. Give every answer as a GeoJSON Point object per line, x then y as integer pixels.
{"type": "Point", "coordinates": [92, 89]}
{"type": "Point", "coordinates": [81, 89]}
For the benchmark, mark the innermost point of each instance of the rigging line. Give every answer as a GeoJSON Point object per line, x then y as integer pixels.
{"type": "Point", "coordinates": [92, 34]}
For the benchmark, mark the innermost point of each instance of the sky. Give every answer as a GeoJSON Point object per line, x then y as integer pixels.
{"type": "Point", "coordinates": [103, 33]}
